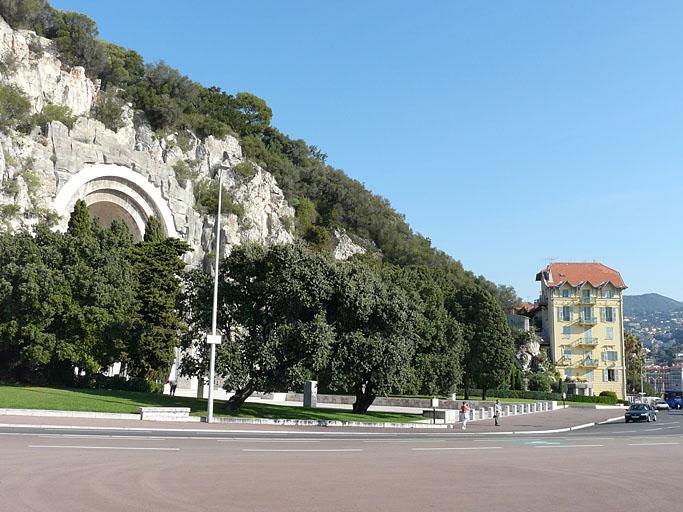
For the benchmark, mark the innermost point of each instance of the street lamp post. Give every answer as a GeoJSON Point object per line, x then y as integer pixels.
{"type": "Point", "coordinates": [215, 339]}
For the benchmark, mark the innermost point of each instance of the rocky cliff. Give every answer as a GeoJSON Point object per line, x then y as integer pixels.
{"type": "Point", "coordinates": [35, 167]}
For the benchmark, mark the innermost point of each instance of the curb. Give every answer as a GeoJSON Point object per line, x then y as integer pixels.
{"type": "Point", "coordinates": [227, 431]}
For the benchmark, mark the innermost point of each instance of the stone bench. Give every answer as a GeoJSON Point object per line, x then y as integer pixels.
{"type": "Point", "coordinates": [165, 413]}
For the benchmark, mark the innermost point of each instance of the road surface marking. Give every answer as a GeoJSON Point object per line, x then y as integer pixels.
{"type": "Point", "coordinates": [256, 440]}
{"type": "Point", "coordinates": [651, 444]}
{"type": "Point", "coordinates": [303, 450]}
{"type": "Point", "coordinates": [457, 448]}
{"type": "Point", "coordinates": [404, 440]}
{"type": "Point", "coordinates": [74, 447]}
{"type": "Point", "coordinates": [624, 432]}
{"type": "Point", "coordinates": [570, 446]}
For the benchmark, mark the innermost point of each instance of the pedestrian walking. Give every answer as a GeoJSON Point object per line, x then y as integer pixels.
{"type": "Point", "coordinates": [497, 411]}
{"type": "Point", "coordinates": [464, 414]}
{"type": "Point", "coordinates": [173, 385]}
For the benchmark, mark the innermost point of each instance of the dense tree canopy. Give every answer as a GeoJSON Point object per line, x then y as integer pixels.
{"type": "Point", "coordinates": [85, 299]}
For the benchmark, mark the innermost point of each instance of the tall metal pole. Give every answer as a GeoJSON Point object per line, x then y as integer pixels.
{"type": "Point", "coordinates": [212, 360]}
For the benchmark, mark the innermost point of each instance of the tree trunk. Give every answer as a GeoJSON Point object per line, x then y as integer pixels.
{"type": "Point", "coordinates": [364, 399]}
{"type": "Point", "coordinates": [240, 396]}
{"type": "Point", "coordinates": [466, 382]}
{"type": "Point", "coordinates": [484, 392]}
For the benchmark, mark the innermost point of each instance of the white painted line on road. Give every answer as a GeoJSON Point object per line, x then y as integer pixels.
{"type": "Point", "coordinates": [571, 446]}
{"type": "Point", "coordinates": [624, 432]}
{"type": "Point", "coordinates": [404, 440]}
{"type": "Point", "coordinates": [651, 444]}
{"type": "Point", "coordinates": [103, 447]}
{"type": "Point", "coordinates": [256, 440]}
{"type": "Point", "coordinates": [303, 450]}
{"type": "Point", "coordinates": [441, 448]}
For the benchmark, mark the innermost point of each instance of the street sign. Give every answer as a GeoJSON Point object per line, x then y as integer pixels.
{"type": "Point", "coordinates": [213, 339]}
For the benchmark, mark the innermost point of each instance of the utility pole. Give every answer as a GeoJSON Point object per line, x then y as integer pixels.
{"type": "Point", "coordinates": [215, 339]}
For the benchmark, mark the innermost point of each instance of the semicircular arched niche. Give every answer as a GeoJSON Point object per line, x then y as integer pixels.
{"type": "Point", "coordinates": [115, 192]}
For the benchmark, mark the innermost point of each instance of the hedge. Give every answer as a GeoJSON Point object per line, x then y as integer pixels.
{"type": "Point", "coordinates": [540, 395]}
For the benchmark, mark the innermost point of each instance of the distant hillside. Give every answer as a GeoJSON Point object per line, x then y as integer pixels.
{"type": "Point", "coordinates": [649, 303]}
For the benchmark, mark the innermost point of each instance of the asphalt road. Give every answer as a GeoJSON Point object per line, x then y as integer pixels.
{"type": "Point", "coordinates": [615, 466]}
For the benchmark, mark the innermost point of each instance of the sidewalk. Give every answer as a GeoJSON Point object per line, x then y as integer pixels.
{"type": "Point", "coordinates": [559, 419]}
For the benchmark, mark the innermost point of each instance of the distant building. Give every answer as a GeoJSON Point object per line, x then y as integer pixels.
{"type": "Point", "coordinates": [580, 312]}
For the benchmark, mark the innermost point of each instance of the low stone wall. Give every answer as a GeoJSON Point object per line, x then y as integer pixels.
{"type": "Point", "coordinates": [165, 413]}
{"type": "Point", "coordinates": [382, 401]}
{"type": "Point", "coordinates": [486, 413]}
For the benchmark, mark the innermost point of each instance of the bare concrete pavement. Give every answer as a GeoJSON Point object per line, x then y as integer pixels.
{"type": "Point", "coordinates": [612, 467]}
{"type": "Point", "coordinates": [559, 419]}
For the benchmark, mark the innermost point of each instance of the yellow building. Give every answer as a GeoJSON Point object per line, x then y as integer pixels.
{"type": "Point", "coordinates": [582, 320]}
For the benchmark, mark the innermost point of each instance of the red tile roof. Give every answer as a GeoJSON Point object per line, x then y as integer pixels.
{"type": "Point", "coordinates": [577, 273]}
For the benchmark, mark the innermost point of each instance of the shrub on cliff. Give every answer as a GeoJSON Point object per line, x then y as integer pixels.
{"type": "Point", "coordinates": [108, 110]}
{"type": "Point", "coordinates": [14, 107]}
{"type": "Point", "coordinates": [206, 199]}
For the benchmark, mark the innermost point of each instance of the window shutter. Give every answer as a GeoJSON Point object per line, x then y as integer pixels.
{"type": "Point", "coordinates": [604, 375]}
{"type": "Point", "coordinates": [559, 314]}
{"type": "Point", "coordinates": [602, 314]}
{"type": "Point", "coordinates": [571, 314]}
{"type": "Point", "coordinates": [616, 375]}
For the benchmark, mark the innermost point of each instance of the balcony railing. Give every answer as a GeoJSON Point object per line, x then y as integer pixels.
{"type": "Point", "coordinates": [589, 362]}
{"type": "Point", "coordinates": [588, 320]}
{"type": "Point", "coordinates": [564, 361]}
{"type": "Point", "coordinates": [587, 300]}
{"type": "Point", "coordinates": [587, 342]}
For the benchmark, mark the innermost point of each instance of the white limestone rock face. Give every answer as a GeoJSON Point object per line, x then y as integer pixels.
{"type": "Point", "coordinates": [343, 246]}
{"type": "Point", "coordinates": [529, 356]}
{"type": "Point", "coordinates": [34, 67]}
{"type": "Point", "coordinates": [35, 167]}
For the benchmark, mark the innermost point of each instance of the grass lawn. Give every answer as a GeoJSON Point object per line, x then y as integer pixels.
{"type": "Point", "coordinates": [102, 400]}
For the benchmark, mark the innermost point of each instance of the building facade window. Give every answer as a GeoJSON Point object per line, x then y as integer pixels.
{"type": "Point", "coordinates": [589, 375]}
{"type": "Point", "coordinates": [567, 354]}
{"type": "Point", "coordinates": [564, 292]}
{"type": "Point", "coordinates": [587, 313]}
{"type": "Point", "coordinates": [566, 314]}
{"type": "Point", "coordinates": [608, 314]}
{"type": "Point", "coordinates": [568, 372]}
{"type": "Point", "coordinates": [566, 331]}
{"type": "Point", "coordinates": [610, 375]}
{"type": "Point", "coordinates": [609, 355]}
{"type": "Point", "coordinates": [586, 295]}
{"type": "Point", "coordinates": [609, 333]}
{"type": "Point", "coordinates": [607, 293]}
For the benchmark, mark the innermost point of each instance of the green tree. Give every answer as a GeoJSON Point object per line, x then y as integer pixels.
{"type": "Point", "coordinates": [489, 348]}
{"type": "Point", "coordinates": [76, 37]}
{"type": "Point", "coordinates": [157, 266]}
{"type": "Point", "coordinates": [375, 325]}
{"type": "Point", "coordinates": [272, 311]}
{"type": "Point", "coordinates": [539, 382]}
{"type": "Point", "coordinates": [436, 367]}
{"type": "Point", "coordinates": [154, 231]}
{"type": "Point", "coordinates": [635, 360]}
{"type": "Point", "coordinates": [14, 107]}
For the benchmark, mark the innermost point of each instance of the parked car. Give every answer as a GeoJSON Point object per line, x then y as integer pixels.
{"type": "Point", "coordinates": [661, 405]}
{"type": "Point", "coordinates": [640, 412]}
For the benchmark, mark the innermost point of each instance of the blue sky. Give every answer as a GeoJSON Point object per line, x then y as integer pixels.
{"type": "Point", "coordinates": [509, 133]}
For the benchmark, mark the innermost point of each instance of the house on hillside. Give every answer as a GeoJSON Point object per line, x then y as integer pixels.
{"type": "Point", "coordinates": [580, 316]}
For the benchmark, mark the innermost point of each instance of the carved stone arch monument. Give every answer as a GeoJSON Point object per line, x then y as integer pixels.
{"type": "Point", "coordinates": [115, 192]}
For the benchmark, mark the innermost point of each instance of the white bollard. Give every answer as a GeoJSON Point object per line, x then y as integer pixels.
{"type": "Point", "coordinates": [533, 407]}
{"type": "Point", "coordinates": [491, 409]}
{"type": "Point", "coordinates": [514, 410]}
{"type": "Point", "coordinates": [507, 410]}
